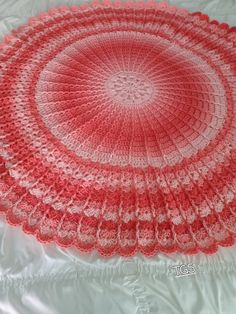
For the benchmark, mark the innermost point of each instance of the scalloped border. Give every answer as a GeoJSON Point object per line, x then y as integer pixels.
{"type": "Point", "coordinates": [128, 4]}
{"type": "Point", "coordinates": [117, 250]}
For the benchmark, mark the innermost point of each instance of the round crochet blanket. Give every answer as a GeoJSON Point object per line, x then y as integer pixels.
{"type": "Point", "coordinates": [118, 129]}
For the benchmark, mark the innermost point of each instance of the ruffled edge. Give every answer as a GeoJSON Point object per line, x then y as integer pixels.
{"type": "Point", "coordinates": [117, 4]}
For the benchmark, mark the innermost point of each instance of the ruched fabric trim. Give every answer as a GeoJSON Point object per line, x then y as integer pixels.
{"type": "Point", "coordinates": [136, 270]}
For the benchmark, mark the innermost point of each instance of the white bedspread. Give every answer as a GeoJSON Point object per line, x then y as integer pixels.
{"type": "Point", "coordinates": [45, 279]}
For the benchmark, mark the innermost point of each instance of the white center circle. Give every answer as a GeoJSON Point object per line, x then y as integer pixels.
{"type": "Point", "coordinates": [129, 88]}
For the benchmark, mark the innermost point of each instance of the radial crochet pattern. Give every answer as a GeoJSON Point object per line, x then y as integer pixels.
{"type": "Point", "coordinates": [118, 129]}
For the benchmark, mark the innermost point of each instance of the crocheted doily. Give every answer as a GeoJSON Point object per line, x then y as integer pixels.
{"type": "Point", "coordinates": [118, 129]}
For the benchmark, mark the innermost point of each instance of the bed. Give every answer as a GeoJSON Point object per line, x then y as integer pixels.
{"type": "Point", "coordinates": [37, 278]}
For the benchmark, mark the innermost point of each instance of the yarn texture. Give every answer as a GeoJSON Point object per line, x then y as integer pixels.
{"type": "Point", "coordinates": [118, 129]}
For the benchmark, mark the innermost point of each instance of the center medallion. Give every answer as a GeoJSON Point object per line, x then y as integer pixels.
{"type": "Point", "coordinates": [129, 88]}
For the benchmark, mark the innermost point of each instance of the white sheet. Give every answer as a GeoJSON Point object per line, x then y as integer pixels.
{"type": "Point", "coordinates": [37, 278]}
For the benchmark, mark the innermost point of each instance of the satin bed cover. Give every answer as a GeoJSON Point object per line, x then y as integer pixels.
{"type": "Point", "coordinates": [45, 279]}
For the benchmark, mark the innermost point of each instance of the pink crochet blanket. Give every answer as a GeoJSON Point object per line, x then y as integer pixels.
{"type": "Point", "coordinates": [117, 129]}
